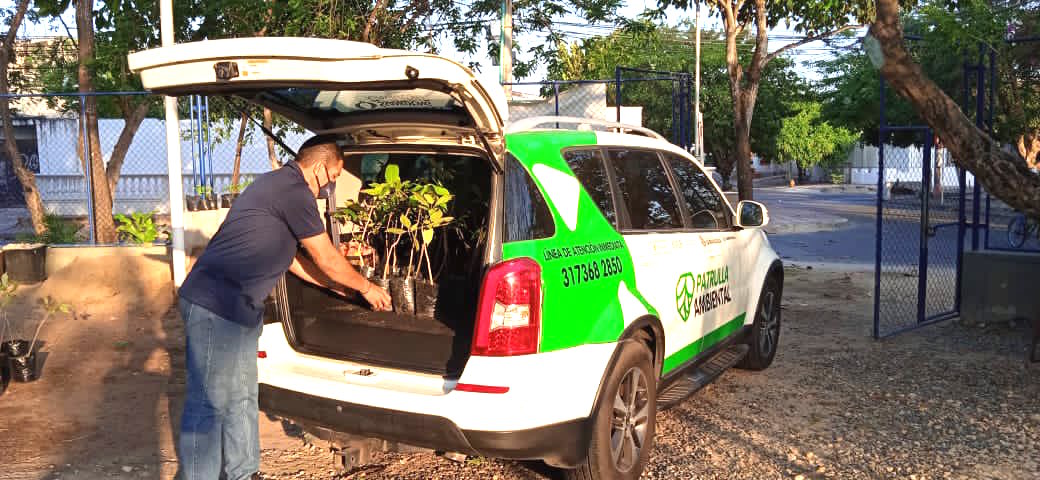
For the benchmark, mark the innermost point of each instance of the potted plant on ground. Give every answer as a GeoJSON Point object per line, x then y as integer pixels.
{"type": "Point", "coordinates": [139, 228]}
{"type": "Point", "coordinates": [7, 294]}
{"type": "Point", "coordinates": [196, 202]}
{"type": "Point", "coordinates": [233, 191]}
{"type": "Point", "coordinates": [23, 362]}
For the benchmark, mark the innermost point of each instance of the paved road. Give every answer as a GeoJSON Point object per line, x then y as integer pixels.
{"type": "Point", "coordinates": [850, 242]}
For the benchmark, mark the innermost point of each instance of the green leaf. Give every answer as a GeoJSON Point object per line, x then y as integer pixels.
{"type": "Point", "coordinates": [395, 231]}
{"type": "Point", "coordinates": [407, 222]}
{"type": "Point", "coordinates": [393, 173]}
{"type": "Point", "coordinates": [427, 235]}
{"type": "Point", "coordinates": [436, 215]}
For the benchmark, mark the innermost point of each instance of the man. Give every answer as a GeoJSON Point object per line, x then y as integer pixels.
{"type": "Point", "coordinates": [222, 303]}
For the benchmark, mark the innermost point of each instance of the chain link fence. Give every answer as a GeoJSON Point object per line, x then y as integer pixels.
{"type": "Point", "coordinates": [49, 132]}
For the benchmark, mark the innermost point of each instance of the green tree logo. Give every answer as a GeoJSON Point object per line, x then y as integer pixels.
{"type": "Point", "coordinates": [684, 295]}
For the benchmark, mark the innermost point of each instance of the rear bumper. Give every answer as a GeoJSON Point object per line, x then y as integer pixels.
{"type": "Point", "coordinates": [562, 444]}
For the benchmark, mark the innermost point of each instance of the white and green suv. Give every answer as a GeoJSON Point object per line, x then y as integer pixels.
{"type": "Point", "coordinates": [594, 272]}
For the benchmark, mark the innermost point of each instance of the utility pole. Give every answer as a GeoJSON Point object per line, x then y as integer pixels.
{"type": "Point", "coordinates": [173, 156]}
{"type": "Point", "coordinates": [505, 50]}
{"type": "Point", "coordinates": [698, 139]}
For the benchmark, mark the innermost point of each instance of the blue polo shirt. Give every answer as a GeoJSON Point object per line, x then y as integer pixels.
{"type": "Point", "coordinates": [254, 246]}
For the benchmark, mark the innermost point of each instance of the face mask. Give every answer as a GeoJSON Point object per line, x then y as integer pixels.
{"type": "Point", "coordinates": [326, 191]}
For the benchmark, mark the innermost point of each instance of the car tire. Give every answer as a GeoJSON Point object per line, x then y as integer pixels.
{"type": "Point", "coordinates": [626, 411]}
{"type": "Point", "coordinates": [765, 330]}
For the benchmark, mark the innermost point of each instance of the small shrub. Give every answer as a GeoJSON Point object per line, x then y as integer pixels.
{"type": "Point", "coordinates": [138, 228]}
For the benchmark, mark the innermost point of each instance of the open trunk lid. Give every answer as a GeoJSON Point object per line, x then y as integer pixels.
{"type": "Point", "coordinates": [373, 94]}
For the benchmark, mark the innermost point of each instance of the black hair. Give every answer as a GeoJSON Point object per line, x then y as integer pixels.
{"type": "Point", "coordinates": [315, 141]}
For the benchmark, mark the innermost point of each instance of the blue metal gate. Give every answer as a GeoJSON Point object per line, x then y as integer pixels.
{"type": "Point", "coordinates": [921, 199]}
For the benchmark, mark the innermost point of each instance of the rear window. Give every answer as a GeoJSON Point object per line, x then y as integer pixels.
{"type": "Point", "coordinates": [645, 190]}
{"type": "Point", "coordinates": [316, 101]}
{"type": "Point", "coordinates": [587, 166]}
{"type": "Point", "coordinates": [527, 216]}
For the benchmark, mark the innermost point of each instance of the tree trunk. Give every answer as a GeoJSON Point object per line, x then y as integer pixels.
{"type": "Point", "coordinates": [238, 150]}
{"type": "Point", "coordinates": [126, 137]}
{"type": "Point", "coordinates": [742, 138]}
{"type": "Point", "coordinates": [1003, 174]}
{"type": "Point", "coordinates": [104, 224]}
{"type": "Point", "coordinates": [271, 154]}
{"type": "Point", "coordinates": [25, 176]}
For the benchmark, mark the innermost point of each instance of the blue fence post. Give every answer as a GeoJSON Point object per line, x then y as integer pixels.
{"type": "Point", "coordinates": [961, 220]}
{"type": "Point", "coordinates": [556, 97]}
{"type": "Point", "coordinates": [976, 191]}
{"type": "Point", "coordinates": [922, 260]}
{"type": "Point", "coordinates": [880, 198]}
{"type": "Point", "coordinates": [617, 91]}
{"type": "Point", "coordinates": [89, 170]}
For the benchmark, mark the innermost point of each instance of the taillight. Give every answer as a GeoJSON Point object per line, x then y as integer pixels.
{"type": "Point", "coordinates": [510, 311]}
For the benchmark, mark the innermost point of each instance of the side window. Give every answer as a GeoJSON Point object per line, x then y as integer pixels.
{"type": "Point", "coordinates": [706, 207]}
{"type": "Point", "coordinates": [527, 217]}
{"type": "Point", "coordinates": [645, 189]}
{"type": "Point", "coordinates": [587, 165]}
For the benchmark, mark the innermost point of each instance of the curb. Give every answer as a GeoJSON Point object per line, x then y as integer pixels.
{"type": "Point", "coordinates": [805, 227]}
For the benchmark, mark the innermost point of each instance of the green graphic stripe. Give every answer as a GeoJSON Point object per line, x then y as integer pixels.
{"type": "Point", "coordinates": [588, 311]}
{"type": "Point", "coordinates": [705, 342]}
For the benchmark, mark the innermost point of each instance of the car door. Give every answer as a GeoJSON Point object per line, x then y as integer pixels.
{"type": "Point", "coordinates": [717, 272]}
{"type": "Point", "coordinates": [652, 222]}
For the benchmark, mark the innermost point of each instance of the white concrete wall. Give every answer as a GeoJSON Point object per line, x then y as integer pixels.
{"type": "Point", "coordinates": [143, 182]}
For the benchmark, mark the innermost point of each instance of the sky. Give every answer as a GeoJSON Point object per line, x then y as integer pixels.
{"type": "Point", "coordinates": [489, 73]}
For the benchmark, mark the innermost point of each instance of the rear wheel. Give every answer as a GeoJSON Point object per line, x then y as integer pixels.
{"type": "Point", "coordinates": [1016, 234]}
{"type": "Point", "coordinates": [623, 424]}
{"type": "Point", "coordinates": [765, 331]}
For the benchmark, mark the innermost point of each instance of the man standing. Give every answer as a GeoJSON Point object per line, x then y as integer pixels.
{"type": "Point", "coordinates": [222, 302]}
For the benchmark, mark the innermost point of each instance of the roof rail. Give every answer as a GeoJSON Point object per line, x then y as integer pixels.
{"type": "Point", "coordinates": [531, 123]}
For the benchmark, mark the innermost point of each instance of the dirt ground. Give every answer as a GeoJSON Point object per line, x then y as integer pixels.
{"type": "Point", "coordinates": [946, 401]}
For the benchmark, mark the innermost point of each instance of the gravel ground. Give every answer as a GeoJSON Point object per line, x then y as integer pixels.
{"type": "Point", "coordinates": [946, 401]}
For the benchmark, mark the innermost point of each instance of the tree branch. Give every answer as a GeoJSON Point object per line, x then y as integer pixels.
{"type": "Point", "coordinates": [68, 31]}
{"type": "Point", "coordinates": [366, 35]}
{"type": "Point", "coordinates": [12, 30]}
{"type": "Point", "coordinates": [1003, 174]}
{"type": "Point", "coordinates": [809, 39]}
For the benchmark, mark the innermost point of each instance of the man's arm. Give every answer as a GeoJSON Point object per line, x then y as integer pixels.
{"type": "Point", "coordinates": [335, 267]}
{"type": "Point", "coordinates": [304, 268]}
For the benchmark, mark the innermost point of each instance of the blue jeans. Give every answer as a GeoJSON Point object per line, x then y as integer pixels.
{"type": "Point", "coordinates": [219, 424]}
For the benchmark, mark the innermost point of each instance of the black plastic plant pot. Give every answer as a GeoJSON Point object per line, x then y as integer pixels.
{"type": "Point", "coordinates": [26, 265]}
{"type": "Point", "coordinates": [367, 271]}
{"type": "Point", "coordinates": [5, 372]}
{"type": "Point", "coordinates": [381, 282]}
{"type": "Point", "coordinates": [23, 368]}
{"type": "Point", "coordinates": [225, 200]}
{"type": "Point", "coordinates": [193, 203]}
{"type": "Point", "coordinates": [212, 202]}
{"type": "Point", "coordinates": [402, 294]}
{"type": "Point", "coordinates": [426, 299]}
{"type": "Point", "coordinates": [15, 348]}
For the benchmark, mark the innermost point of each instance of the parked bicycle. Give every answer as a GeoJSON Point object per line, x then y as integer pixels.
{"type": "Point", "coordinates": [1021, 228]}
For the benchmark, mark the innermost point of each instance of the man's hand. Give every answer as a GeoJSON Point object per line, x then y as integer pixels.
{"type": "Point", "coordinates": [377, 297]}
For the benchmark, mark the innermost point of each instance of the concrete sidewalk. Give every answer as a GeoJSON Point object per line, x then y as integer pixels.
{"type": "Point", "coordinates": [783, 220]}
